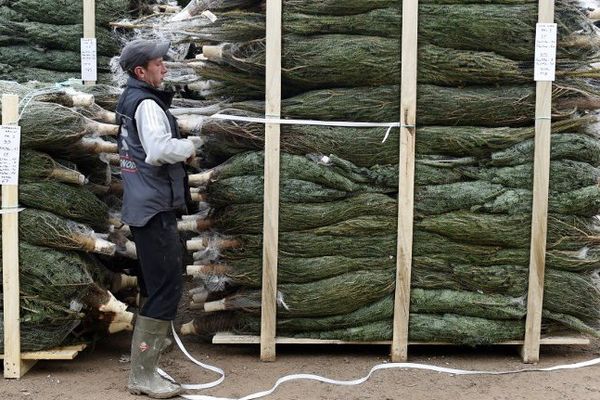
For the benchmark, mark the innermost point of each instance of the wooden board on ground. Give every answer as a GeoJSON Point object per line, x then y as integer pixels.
{"type": "Point", "coordinates": [228, 338]}
{"type": "Point", "coordinates": [59, 353]}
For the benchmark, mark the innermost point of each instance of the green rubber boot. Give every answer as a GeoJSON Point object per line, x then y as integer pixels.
{"type": "Point", "coordinates": [148, 339]}
{"type": "Point", "coordinates": [169, 343]}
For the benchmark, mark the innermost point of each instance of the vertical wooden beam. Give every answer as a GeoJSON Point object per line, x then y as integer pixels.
{"type": "Point", "coordinates": [539, 223]}
{"type": "Point", "coordinates": [271, 180]}
{"type": "Point", "coordinates": [89, 24]}
{"type": "Point", "coordinates": [406, 165]}
{"type": "Point", "coordinates": [13, 366]}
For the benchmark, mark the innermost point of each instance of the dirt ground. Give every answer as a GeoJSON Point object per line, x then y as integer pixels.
{"type": "Point", "coordinates": [100, 374]}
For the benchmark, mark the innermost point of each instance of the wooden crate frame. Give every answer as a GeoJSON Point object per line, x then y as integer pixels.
{"type": "Point", "coordinates": [16, 364]}
{"type": "Point", "coordinates": [530, 345]}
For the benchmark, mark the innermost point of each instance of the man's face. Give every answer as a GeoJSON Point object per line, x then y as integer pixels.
{"type": "Point", "coordinates": [154, 73]}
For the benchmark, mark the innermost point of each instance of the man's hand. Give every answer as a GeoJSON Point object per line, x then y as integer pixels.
{"type": "Point", "coordinates": [191, 159]}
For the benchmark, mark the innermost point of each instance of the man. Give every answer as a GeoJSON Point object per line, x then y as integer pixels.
{"type": "Point", "coordinates": [155, 189]}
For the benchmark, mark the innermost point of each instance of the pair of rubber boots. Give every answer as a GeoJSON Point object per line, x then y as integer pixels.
{"type": "Point", "coordinates": [147, 344]}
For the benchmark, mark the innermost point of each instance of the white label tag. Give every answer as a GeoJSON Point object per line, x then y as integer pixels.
{"type": "Point", "coordinates": [10, 143]}
{"type": "Point", "coordinates": [89, 70]}
{"type": "Point", "coordinates": [545, 52]}
{"type": "Point", "coordinates": [209, 15]}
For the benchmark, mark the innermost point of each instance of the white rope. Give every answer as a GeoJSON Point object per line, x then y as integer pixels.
{"type": "Point", "coordinates": [353, 382]}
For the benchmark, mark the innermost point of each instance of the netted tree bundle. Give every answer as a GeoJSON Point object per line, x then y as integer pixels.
{"type": "Point", "coordinates": [512, 231]}
{"type": "Point", "coordinates": [439, 189]}
{"type": "Point", "coordinates": [43, 228]}
{"type": "Point", "coordinates": [436, 105]}
{"type": "Point", "coordinates": [57, 60]}
{"type": "Point", "coordinates": [247, 272]}
{"type": "Point", "coordinates": [422, 301]}
{"type": "Point", "coordinates": [429, 200]}
{"type": "Point", "coordinates": [564, 232]}
{"type": "Point", "coordinates": [9, 13]}
{"type": "Point", "coordinates": [334, 60]}
{"type": "Point", "coordinates": [41, 92]}
{"type": "Point", "coordinates": [565, 175]}
{"type": "Point", "coordinates": [47, 126]}
{"type": "Point", "coordinates": [42, 335]}
{"type": "Point", "coordinates": [496, 199]}
{"type": "Point", "coordinates": [446, 328]}
{"type": "Point", "coordinates": [310, 169]}
{"type": "Point", "coordinates": [55, 276]}
{"type": "Point", "coordinates": [232, 25]}
{"type": "Point", "coordinates": [245, 189]}
{"type": "Point", "coordinates": [364, 147]}
{"type": "Point", "coordinates": [247, 218]}
{"type": "Point", "coordinates": [332, 7]}
{"type": "Point", "coordinates": [62, 37]}
{"type": "Point", "coordinates": [583, 202]}
{"type": "Point", "coordinates": [105, 95]}
{"type": "Point", "coordinates": [430, 248]}
{"type": "Point", "coordinates": [337, 295]}
{"type": "Point", "coordinates": [565, 292]}
{"type": "Point", "coordinates": [35, 167]}
{"type": "Point", "coordinates": [505, 30]}
{"type": "Point", "coordinates": [72, 202]}
{"type": "Point", "coordinates": [576, 147]}
{"type": "Point", "coordinates": [62, 12]}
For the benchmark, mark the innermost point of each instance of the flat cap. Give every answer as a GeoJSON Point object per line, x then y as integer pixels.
{"type": "Point", "coordinates": [138, 52]}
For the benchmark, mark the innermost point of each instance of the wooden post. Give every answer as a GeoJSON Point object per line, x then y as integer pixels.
{"type": "Point", "coordinates": [406, 173]}
{"type": "Point", "coordinates": [271, 182]}
{"type": "Point", "coordinates": [539, 223]}
{"type": "Point", "coordinates": [89, 24]}
{"type": "Point", "coordinates": [14, 367]}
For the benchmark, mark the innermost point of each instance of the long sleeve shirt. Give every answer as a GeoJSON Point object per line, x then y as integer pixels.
{"type": "Point", "coordinates": [156, 137]}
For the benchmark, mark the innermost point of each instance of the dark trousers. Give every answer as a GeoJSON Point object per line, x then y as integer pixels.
{"type": "Point", "coordinates": [160, 256]}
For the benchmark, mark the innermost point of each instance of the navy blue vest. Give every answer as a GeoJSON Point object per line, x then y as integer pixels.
{"type": "Point", "coordinates": [148, 189]}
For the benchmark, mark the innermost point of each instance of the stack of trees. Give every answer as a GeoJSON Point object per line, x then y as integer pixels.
{"type": "Point", "coordinates": [64, 286]}
{"type": "Point", "coordinates": [338, 187]}
{"type": "Point", "coordinates": [40, 40]}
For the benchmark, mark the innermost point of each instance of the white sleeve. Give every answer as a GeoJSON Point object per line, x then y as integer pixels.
{"type": "Point", "coordinates": [155, 134]}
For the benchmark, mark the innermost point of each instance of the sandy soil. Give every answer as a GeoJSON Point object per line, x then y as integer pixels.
{"type": "Point", "coordinates": [100, 374]}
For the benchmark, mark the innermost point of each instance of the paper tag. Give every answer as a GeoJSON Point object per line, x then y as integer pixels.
{"type": "Point", "coordinates": [209, 15]}
{"type": "Point", "coordinates": [10, 143]}
{"type": "Point", "coordinates": [545, 52]}
{"type": "Point", "coordinates": [89, 71]}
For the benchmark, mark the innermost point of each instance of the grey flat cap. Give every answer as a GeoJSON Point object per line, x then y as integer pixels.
{"type": "Point", "coordinates": [140, 51]}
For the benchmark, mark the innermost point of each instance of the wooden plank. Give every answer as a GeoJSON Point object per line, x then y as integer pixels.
{"type": "Point", "coordinates": [228, 338]}
{"type": "Point", "coordinates": [271, 179]}
{"type": "Point", "coordinates": [59, 353]}
{"type": "Point", "coordinates": [89, 24]}
{"type": "Point", "coordinates": [406, 165]}
{"type": "Point", "coordinates": [539, 219]}
{"type": "Point", "coordinates": [13, 367]}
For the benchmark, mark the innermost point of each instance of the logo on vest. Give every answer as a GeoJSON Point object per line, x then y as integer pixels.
{"type": "Point", "coordinates": [127, 164]}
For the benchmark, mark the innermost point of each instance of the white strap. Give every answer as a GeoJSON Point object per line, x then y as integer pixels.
{"type": "Point", "coordinates": [312, 377]}
{"type": "Point", "coordinates": [277, 120]}
{"type": "Point", "coordinates": [11, 210]}
{"type": "Point", "coordinates": [200, 364]}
